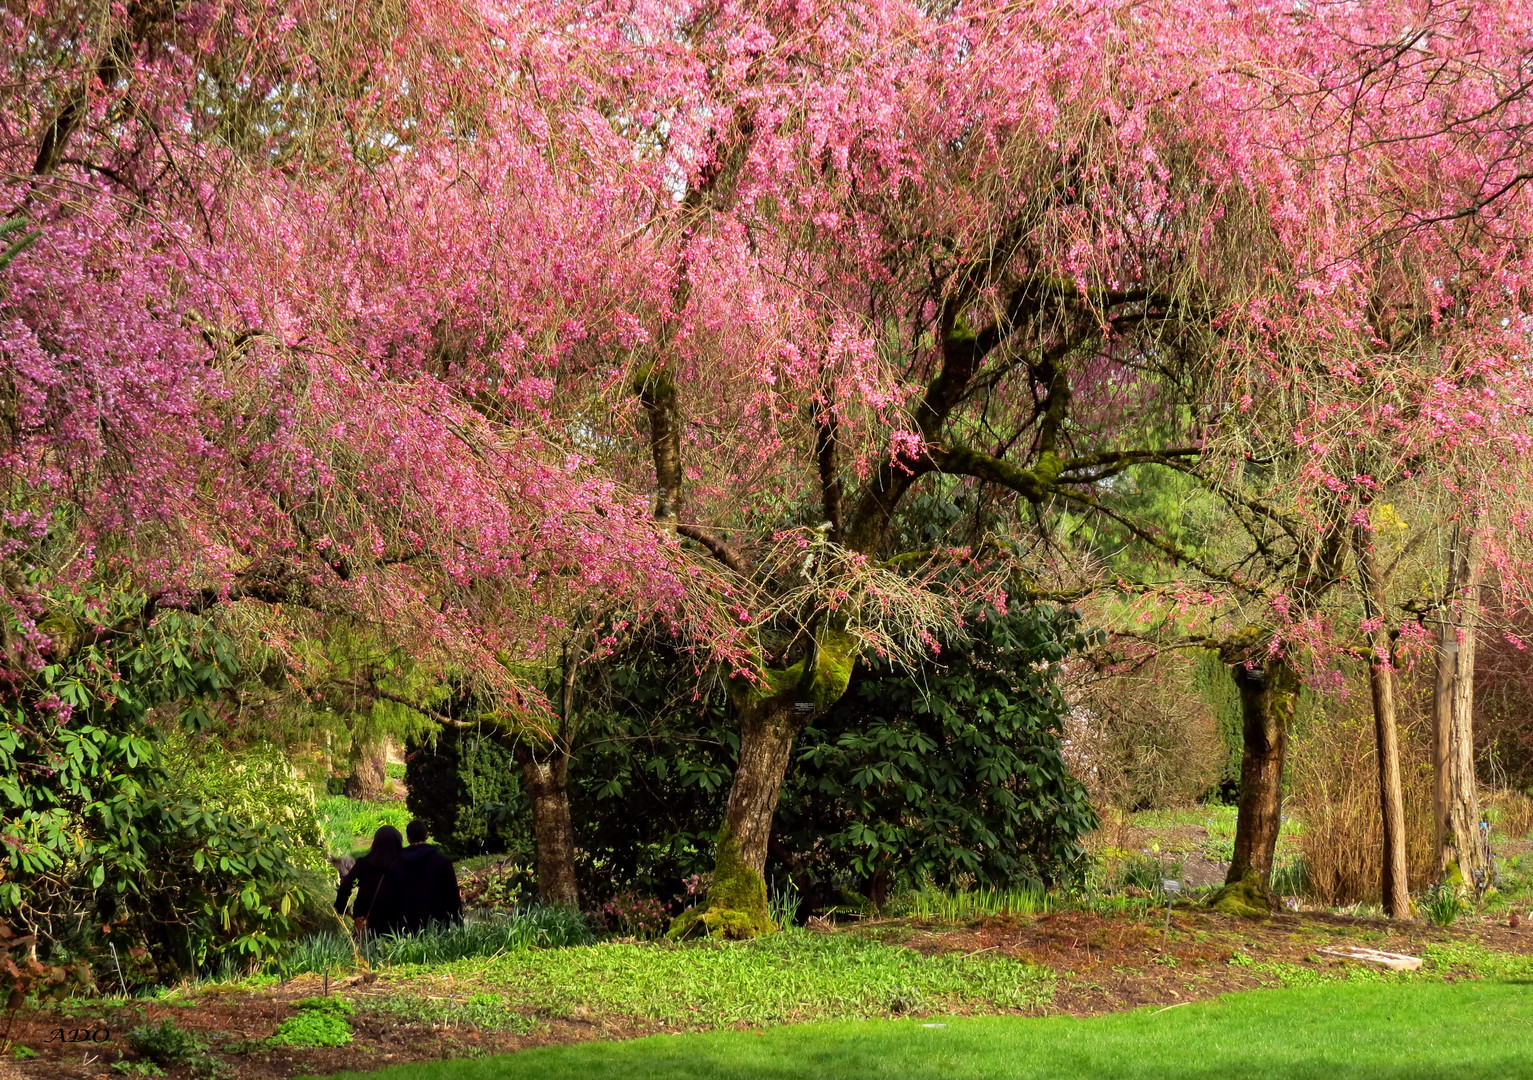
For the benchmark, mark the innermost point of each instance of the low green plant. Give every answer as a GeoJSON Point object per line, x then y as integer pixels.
{"type": "Point", "coordinates": [1290, 878]}
{"type": "Point", "coordinates": [1146, 871]}
{"type": "Point", "coordinates": [312, 1029]}
{"type": "Point", "coordinates": [792, 976]}
{"type": "Point", "coordinates": [167, 1043]}
{"type": "Point", "coordinates": [1442, 904]}
{"type": "Point", "coordinates": [23, 1053]}
{"type": "Point", "coordinates": [137, 1068]}
{"type": "Point", "coordinates": [931, 905]}
{"type": "Point", "coordinates": [331, 1005]}
{"type": "Point", "coordinates": [783, 902]}
{"type": "Point", "coordinates": [321, 1021]}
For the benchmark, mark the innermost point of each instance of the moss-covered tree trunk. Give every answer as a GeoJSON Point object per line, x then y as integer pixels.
{"type": "Point", "coordinates": [1268, 696]}
{"type": "Point", "coordinates": [771, 710]}
{"type": "Point", "coordinates": [545, 774]}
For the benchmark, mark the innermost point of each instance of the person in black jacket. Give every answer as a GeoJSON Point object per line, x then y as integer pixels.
{"type": "Point", "coordinates": [428, 892]}
{"type": "Point", "coordinates": [377, 878]}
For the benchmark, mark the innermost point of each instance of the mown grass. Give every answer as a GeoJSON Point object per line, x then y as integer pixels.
{"type": "Point", "coordinates": [793, 976]}
{"type": "Point", "coordinates": [1363, 1032]}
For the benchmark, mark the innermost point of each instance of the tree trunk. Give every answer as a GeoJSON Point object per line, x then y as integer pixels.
{"type": "Point", "coordinates": [546, 777]}
{"type": "Point", "coordinates": [369, 772]}
{"type": "Point", "coordinates": [1267, 699]}
{"type": "Point", "coordinates": [1395, 887]}
{"type": "Point", "coordinates": [766, 745]}
{"type": "Point", "coordinates": [1457, 803]}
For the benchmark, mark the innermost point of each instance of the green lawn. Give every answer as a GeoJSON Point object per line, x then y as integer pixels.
{"type": "Point", "coordinates": [1369, 1031]}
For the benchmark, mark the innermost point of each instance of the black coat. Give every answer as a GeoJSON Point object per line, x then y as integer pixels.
{"type": "Point", "coordinates": [427, 889]}
{"type": "Point", "coordinates": [376, 880]}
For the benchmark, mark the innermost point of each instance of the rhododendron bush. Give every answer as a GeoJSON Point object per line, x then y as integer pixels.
{"type": "Point", "coordinates": [499, 325]}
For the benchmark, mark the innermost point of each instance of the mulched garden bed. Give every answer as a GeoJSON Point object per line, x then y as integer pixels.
{"type": "Point", "coordinates": [1112, 964]}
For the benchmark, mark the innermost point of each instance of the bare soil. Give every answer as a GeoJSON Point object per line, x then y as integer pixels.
{"type": "Point", "coordinates": [1108, 965]}
{"type": "Point", "coordinates": [225, 1019]}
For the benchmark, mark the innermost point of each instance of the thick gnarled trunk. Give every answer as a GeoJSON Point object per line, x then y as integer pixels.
{"type": "Point", "coordinates": [1268, 696]}
{"type": "Point", "coordinates": [1395, 886]}
{"type": "Point", "coordinates": [1457, 801]}
{"type": "Point", "coordinates": [545, 774]}
{"type": "Point", "coordinates": [369, 771]}
{"type": "Point", "coordinates": [767, 733]}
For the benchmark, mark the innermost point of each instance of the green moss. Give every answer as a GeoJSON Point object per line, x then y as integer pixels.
{"type": "Point", "coordinates": [833, 668]}
{"type": "Point", "coordinates": [1247, 898]}
{"type": "Point", "coordinates": [832, 675]}
{"type": "Point", "coordinates": [652, 385]}
{"type": "Point", "coordinates": [961, 332]}
{"type": "Point", "coordinates": [736, 906]}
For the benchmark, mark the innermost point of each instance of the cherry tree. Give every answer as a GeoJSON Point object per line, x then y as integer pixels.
{"type": "Point", "coordinates": [468, 320]}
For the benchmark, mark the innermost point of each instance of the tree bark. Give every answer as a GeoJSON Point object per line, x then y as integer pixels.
{"type": "Point", "coordinates": [1457, 802]}
{"type": "Point", "coordinates": [767, 732]}
{"type": "Point", "coordinates": [1267, 699]}
{"type": "Point", "coordinates": [369, 772]}
{"type": "Point", "coordinates": [1395, 887]}
{"type": "Point", "coordinates": [546, 777]}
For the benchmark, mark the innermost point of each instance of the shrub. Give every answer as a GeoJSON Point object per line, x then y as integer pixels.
{"type": "Point", "coordinates": [1509, 811]}
{"type": "Point", "coordinates": [97, 844]}
{"type": "Point", "coordinates": [256, 783]}
{"type": "Point", "coordinates": [1155, 737]}
{"type": "Point", "coordinates": [465, 787]}
{"type": "Point", "coordinates": [954, 777]}
{"type": "Point", "coordinates": [635, 915]}
{"type": "Point", "coordinates": [499, 887]}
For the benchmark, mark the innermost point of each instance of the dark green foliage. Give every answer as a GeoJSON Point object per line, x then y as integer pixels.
{"type": "Point", "coordinates": [647, 791]}
{"type": "Point", "coordinates": [952, 777]}
{"type": "Point", "coordinates": [466, 788]}
{"type": "Point", "coordinates": [97, 849]}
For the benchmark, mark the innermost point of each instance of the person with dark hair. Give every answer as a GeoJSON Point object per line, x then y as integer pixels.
{"type": "Point", "coordinates": [377, 879]}
{"type": "Point", "coordinates": [428, 885]}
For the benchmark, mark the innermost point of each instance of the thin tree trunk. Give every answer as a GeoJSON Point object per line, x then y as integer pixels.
{"type": "Point", "coordinates": [369, 772]}
{"type": "Point", "coordinates": [1458, 802]}
{"type": "Point", "coordinates": [766, 745]}
{"type": "Point", "coordinates": [546, 778]}
{"type": "Point", "coordinates": [1267, 700]}
{"type": "Point", "coordinates": [1381, 681]}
